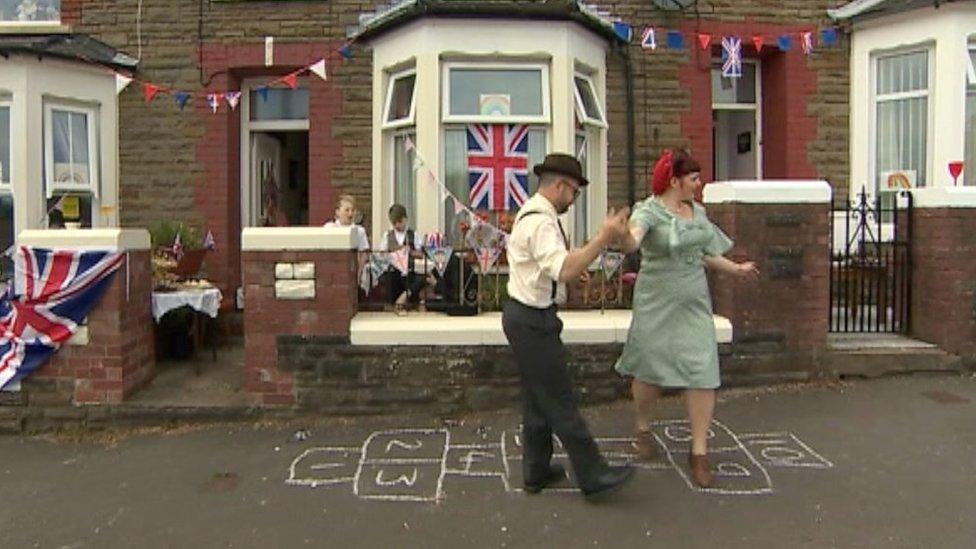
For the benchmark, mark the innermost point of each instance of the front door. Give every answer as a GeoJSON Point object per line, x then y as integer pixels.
{"type": "Point", "coordinates": [736, 126]}
{"type": "Point", "coordinates": [264, 179]}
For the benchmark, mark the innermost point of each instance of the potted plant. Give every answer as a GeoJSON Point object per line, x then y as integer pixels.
{"type": "Point", "coordinates": [190, 252]}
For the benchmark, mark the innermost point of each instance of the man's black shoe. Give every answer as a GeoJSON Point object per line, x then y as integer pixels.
{"type": "Point", "coordinates": [610, 481]}
{"type": "Point", "coordinates": [556, 473]}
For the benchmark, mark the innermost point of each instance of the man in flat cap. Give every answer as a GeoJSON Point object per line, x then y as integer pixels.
{"type": "Point", "coordinates": [540, 263]}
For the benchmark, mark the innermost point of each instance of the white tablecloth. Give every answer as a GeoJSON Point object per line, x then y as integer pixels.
{"type": "Point", "coordinates": [206, 301]}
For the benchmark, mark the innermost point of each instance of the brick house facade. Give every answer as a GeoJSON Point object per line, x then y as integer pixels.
{"type": "Point", "coordinates": [186, 164]}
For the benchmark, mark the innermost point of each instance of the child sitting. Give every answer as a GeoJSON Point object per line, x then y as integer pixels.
{"type": "Point", "coordinates": [402, 287]}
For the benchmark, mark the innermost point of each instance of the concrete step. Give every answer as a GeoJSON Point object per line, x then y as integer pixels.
{"type": "Point", "coordinates": [875, 355]}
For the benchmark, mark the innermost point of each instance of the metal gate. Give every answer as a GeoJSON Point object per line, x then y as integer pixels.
{"type": "Point", "coordinates": [871, 264]}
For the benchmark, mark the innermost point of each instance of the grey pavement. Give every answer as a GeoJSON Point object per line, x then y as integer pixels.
{"type": "Point", "coordinates": [880, 463]}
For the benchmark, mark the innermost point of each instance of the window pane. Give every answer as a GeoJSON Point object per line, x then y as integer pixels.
{"type": "Point", "coordinates": [70, 144]}
{"type": "Point", "coordinates": [30, 10]}
{"type": "Point", "coordinates": [61, 121]}
{"type": "Point", "coordinates": [79, 139]}
{"type": "Point", "coordinates": [901, 137]}
{"type": "Point", "coordinates": [6, 235]}
{"type": "Point", "coordinates": [402, 98]}
{"type": "Point", "coordinates": [281, 104]}
{"type": "Point", "coordinates": [404, 177]}
{"type": "Point", "coordinates": [456, 173]}
{"type": "Point", "coordinates": [734, 90]}
{"type": "Point", "coordinates": [581, 207]}
{"type": "Point", "coordinates": [903, 72]}
{"type": "Point", "coordinates": [4, 145]}
{"type": "Point", "coordinates": [65, 208]}
{"type": "Point", "coordinates": [470, 88]}
{"type": "Point", "coordinates": [590, 106]}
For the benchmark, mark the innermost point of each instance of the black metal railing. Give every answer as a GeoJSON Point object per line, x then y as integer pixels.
{"type": "Point", "coordinates": [871, 264]}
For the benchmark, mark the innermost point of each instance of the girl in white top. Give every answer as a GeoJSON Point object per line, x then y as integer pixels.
{"type": "Point", "coordinates": [344, 212]}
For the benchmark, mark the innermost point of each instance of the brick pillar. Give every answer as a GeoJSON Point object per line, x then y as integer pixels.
{"type": "Point", "coordinates": [297, 281]}
{"type": "Point", "coordinates": [111, 357]}
{"type": "Point", "coordinates": [784, 227]}
{"type": "Point", "coordinates": [943, 305]}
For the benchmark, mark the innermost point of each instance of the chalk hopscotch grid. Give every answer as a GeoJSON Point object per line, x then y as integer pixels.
{"type": "Point", "coordinates": [782, 439]}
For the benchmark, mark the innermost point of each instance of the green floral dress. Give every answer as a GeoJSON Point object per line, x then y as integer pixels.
{"type": "Point", "coordinates": [671, 342]}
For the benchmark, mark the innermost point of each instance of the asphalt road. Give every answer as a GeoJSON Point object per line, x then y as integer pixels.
{"type": "Point", "coordinates": [881, 463]}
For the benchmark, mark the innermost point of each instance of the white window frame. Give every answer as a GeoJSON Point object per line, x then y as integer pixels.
{"type": "Point", "coordinates": [876, 56]}
{"type": "Point", "coordinates": [580, 106]}
{"type": "Point", "coordinates": [7, 101]}
{"type": "Point", "coordinates": [755, 107]}
{"type": "Point", "coordinates": [970, 65]}
{"type": "Point", "coordinates": [409, 120]}
{"type": "Point", "coordinates": [585, 192]}
{"type": "Point", "coordinates": [448, 118]}
{"type": "Point", "coordinates": [51, 186]}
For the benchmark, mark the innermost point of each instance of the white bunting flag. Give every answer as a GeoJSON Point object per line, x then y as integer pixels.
{"type": "Point", "coordinates": [233, 98]}
{"type": "Point", "coordinates": [318, 68]}
{"type": "Point", "coordinates": [213, 99]}
{"type": "Point", "coordinates": [121, 81]}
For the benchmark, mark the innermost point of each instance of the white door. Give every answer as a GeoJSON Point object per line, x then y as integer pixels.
{"type": "Point", "coordinates": [265, 171]}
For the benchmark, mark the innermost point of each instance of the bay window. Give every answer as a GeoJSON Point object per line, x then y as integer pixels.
{"type": "Point", "coordinates": [399, 125]}
{"type": "Point", "coordinates": [71, 163]}
{"type": "Point", "coordinates": [589, 122]}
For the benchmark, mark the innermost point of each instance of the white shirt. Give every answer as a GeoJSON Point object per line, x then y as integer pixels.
{"type": "Point", "coordinates": [362, 242]}
{"type": "Point", "coordinates": [401, 239]}
{"type": "Point", "coordinates": [536, 251]}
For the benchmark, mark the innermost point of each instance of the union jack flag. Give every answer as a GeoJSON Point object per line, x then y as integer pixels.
{"type": "Point", "coordinates": [732, 57]}
{"type": "Point", "coordinates": [54, 292]}
{"type": "Point", "coordinates": [498, 162]}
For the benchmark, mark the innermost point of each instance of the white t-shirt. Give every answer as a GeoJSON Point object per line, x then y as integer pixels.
{"type": "Point", "coordinates": [361, 238]}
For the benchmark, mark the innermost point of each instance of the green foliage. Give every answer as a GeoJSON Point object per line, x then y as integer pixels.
{"type": "Point", "coordinates": [163, 233]}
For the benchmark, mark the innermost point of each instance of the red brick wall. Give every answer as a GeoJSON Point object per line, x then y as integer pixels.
{"type": "Point", "coordinates": [266, 317]}
{"type": "Point", "coordinates": [788, 81]}
{"type": "Point", "coordinates": [944, 278]}
{"type": "Point", "coordinates": [788, 304]}
{"type": "Point", "coordinates": [120, 354]}
{"type": "Point", "coordinates": [218, 192]}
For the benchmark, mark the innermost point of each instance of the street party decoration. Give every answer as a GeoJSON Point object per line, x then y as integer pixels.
{"type": "Point", "coordinates": [439, 256]}
{"type": "Point", "coordinates": [233, 98]}
{"type": "Point", "coordinates": [806, 42]}
{"type": "Point", "coordinates": [731, 57]}
{"type": "Point", "coordinates": [487, 257]}
{"type": "Point", "coordinates": [675, 40]}
{"type": "Point", "coordinates": [648, 40]}
{"type": "Point", "coordinates": [208, 242]}
{"type": "Point", "coordinates": [498, 165]}
{"type": "Point", "coordinates": [610, 262]}
{"type": "Point", "coordinates": [400, 260]}
{"type": "Point", "coordinates": [213, 101]}
{"type": "Point", "coordinates": [623, 30]}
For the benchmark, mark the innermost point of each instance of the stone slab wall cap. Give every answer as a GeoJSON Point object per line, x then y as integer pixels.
{"type": "Point", "coordinates": [86, 239]}
{"type": "Point", "coordinates": [945, 197]}
{"type": "Point", "coordinates": [297, 238]}
{"type": "Point", "coordinates": [768, 191]}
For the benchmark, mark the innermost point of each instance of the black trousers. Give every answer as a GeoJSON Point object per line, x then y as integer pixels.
{"type": "Point", "coordinates": [548, 403]}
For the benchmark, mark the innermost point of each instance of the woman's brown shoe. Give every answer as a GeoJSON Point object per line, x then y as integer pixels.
{"type": "Point", "coordinates": [644, 444]}
{"type": "Point", "coordinates": [698, 465]}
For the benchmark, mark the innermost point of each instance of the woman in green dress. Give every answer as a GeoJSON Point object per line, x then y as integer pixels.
{"type": "Point", "coordinates": [671, 342]}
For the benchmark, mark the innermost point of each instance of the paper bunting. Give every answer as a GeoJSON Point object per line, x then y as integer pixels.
{"type": "Point", "coordinates": [648, 40]}
{"type": "Point", "coordinates": [213, 100]}
{"type": "Point", "coordinates": [458, 206]}
{"type": "Point", "coordinates": [483, 235]}
{"type": "Point", "coordinates": [149, 91]}
{"type": "Point", "coordinates": [262, 91]}
{"type": "Point", "coordinates": [181, 99]}
{"type": "Point", "coordinates": [487, 257]}
{"type": "Point", "coordinates": [208, 242]}
{"type": "Point", "coordinates": [731, 57]}
{"type": "Point", "coordinates": [233, 98]}
{"type": "Point", "coordinates": [704, 40]}
{"type": "Point", "coordinates": [345, 51]}
{"type": "Point", "coordinates": [757, 42]}
{"type": "Point", "coordinates": [610, 262]}
{"type": "Point", "coordinates": [623, 30]}
{"type": "Point", "coordinates": [784, 42]}
{"type": "Point", "coordinates": [806, 42]}
{"type": "Point", "coordinates": [177, 247]}
{"type": "Point", "coordinates": [400, 260]}
{"type": "Point", "coordinates": [379, 262]}
{"type": "Point", "coordinates": [439, 256]}
{"type": "Point", "coordinates": [676, 40]}
{"type": "Point", "coordinates": [318, 69]}
{"type": "Point", "coordinates": [828, 37]}
{"type": "Point", "coordinates": [121, 81]}
{"type": "Point", "coordinates": [290, 80]}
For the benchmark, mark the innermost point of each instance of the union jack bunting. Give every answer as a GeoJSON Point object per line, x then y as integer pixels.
{"type": "Point", "coordinates": [54, 292]}
{"type": "Point", "coordinates": [732, 57]}
{"type": "Point", "coordinates": [498, 161]}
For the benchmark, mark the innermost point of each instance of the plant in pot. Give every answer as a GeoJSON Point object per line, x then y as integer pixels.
{"type": "Point", "coordinates": [187, 258]}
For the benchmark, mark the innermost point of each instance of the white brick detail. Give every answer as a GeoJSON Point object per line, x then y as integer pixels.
{"type": "Point", "coordinates": [284, 271]}
{"type": "Point", "coordinates": [305, 271]}
{"type": "Point", "coordinates": [295, 289]}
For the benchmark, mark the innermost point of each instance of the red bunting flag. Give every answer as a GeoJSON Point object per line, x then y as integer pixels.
{"type": "Point", "coordinates": [757, 41]}
{"type": "Point", "coordinates": [290, 80]}
{"type": "Point", "coordinates": [149, 91]}
{"type": "Point", "coordinates": [704, 40]}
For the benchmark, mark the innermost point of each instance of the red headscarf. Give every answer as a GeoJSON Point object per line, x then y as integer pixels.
{"type": "Point", "coordinates": [663, 170]}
